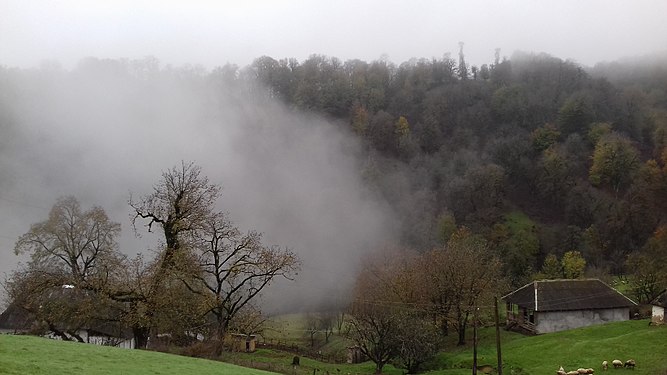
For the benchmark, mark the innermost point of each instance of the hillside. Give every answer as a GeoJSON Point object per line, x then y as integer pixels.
{"type": "Point", "coordinates": [522, 355]}
{"type": "Point", "coordinates": [585, 347]}
{"type": "Point", "coordinates": [33, 355]}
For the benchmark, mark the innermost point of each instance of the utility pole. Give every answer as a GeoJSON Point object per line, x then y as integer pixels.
{"type": "Point", "coordinates": [500, 358]}
{"type": "Point", "coordinates": [474, 341]}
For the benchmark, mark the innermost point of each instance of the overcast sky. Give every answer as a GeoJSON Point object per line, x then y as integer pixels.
{"type": "Point", "coordinates": [213, 33]}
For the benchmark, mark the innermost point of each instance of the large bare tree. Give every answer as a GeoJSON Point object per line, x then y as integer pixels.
{"type": "Point", "coordinates": [233, 268]}
{"type": "Point", "coordinates": [181, 202]}
{"type": "Point", "coordinates": [204, 250]}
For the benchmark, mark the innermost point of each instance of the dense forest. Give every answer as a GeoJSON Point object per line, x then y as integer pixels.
{"type": "Point", "coordinates": [538, 155]}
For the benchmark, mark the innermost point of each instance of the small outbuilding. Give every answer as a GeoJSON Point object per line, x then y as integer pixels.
{"type": "Point", "coordinates": [16, 320]}
{"type": "Point", "coordinates": [355, 355]}
{"type": "Point", "coordinates": [243, 343]}
{"type": "Point", "coordinates": [557, 305]}
{"type": "Point", "coordinates": [658, 306]}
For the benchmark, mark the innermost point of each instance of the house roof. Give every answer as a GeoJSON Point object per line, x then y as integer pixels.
{"type": "Point", "coordinates": [568, 294]}
{"type": "Point", "coordinates": [661, 299]}
{"type": "Point", "coordinates": [16, 318]}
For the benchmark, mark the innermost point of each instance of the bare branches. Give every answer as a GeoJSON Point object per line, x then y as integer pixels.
{"type": "Point", "coordinates": [204, 250]}
{"type": "Point", "coordinates": [236, 267]}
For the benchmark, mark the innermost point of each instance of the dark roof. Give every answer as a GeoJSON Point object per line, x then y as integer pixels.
{"type": "Point", "coordinates": [561, 295]}
{"type": "Point", "coordinates": [661, 299]}
{"type": "Point", "coordinates": [16, 318]}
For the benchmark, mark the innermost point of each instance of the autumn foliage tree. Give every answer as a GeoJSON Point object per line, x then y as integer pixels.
{"type": "Point", "coordinates": [615, 161]}
{"type": "Point", "coordinates": [73, 254]}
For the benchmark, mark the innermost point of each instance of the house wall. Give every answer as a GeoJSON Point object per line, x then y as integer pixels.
{"type": "Point", "coordinates": [555, 321]}
{"type": "Point", "coordinates": [658, 315]}
{"type": "Point", "coordinates": [99, 340]}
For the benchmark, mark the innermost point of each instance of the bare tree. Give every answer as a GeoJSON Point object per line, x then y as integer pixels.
{"type": "Point", "coordinates": [180, 203]}
{"type": "Point", "coordinates": [475, 276]}
{"type": "Point", "coordinates": [312, 327]}
{"type": "Point", "coordinates": [204, 250]}
{"type": "Point", "coordinates": [325, 322]}
{"type": "Point", "coordinates": [234, 268]}
{"type": "Point", "coordinates": [374, 329]}
{"type": "Point", "coordinates": [374, 315]}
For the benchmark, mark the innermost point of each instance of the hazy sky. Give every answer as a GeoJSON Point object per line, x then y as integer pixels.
{"type": "Point", "coordinates": [212, 33]}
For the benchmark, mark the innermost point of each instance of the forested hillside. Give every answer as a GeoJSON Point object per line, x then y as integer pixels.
{"type": "Point", "coordinates": [539, 155]}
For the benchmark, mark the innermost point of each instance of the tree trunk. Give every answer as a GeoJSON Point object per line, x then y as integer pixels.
{"type": "Point", "coordinates": [463, 320]}
{"type": "Point", "coordinates": [462, 335]}
{"type": "Point", "coordinates": [140, 337]}
{"type": "Point", "coordinates": [444, 327]}
{"type": "Point", "coordinates": [220, 333]}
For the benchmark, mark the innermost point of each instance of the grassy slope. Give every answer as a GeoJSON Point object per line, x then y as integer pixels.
{"type": "Point", "coordinates": [34, 355]}
{"type": "Point", "coordinates": [585, 347]}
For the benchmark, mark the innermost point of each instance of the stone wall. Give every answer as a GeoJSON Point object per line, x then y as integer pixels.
{"type": "Point", "coordinates": [563, 320]}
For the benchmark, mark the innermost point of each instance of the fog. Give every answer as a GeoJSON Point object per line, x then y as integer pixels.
{"type": "Point", "coordinates": [213, 33]}
{"type": "Point", "coordinates": [100, 133]}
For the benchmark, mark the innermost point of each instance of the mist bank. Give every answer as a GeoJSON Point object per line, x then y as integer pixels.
{"type": "Point", "coordinates": [108, 128]}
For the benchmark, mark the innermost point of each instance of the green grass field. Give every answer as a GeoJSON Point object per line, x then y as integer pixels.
{"type": "Point", "coordinates": [522, 355]}
{"type": "Point", "coordinates": [34, 355]}
{"type": "Point", "coordinates": [584, 347]}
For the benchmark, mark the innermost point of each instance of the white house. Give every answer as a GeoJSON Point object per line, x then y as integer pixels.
{"type": "Point", "coordinates": [557, 305]}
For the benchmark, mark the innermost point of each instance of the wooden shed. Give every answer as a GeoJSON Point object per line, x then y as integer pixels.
{"type": "Point", "coordinates": [557, 305]}
{"type": "Point", "coordinates": [243, 343]}
{"type": "Point", "coordinates": [355, 355]}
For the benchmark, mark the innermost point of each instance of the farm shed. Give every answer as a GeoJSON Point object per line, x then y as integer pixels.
{"type": "Point", "coordinates": [557, 305]}
{"type": "Point", "coordinates": [243, 343]}
{"type": "Point", "coordinates": [15, 320]}
{"type": "Point", "coordinates": [658, 306]}
{"type": "Point", "coordinates": [355, 355]}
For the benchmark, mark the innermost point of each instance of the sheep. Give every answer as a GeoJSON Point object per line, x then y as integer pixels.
{"type": "Point", "coordinates": [561, 371]}
{"type": "Point", "coordinates": [573, 372]}
{"type": "Point", "coordinates": [617, 363]}
{"type": "Point", "coordinates": [582, 371]}
{"type": "Point", "coordinates": [605, 364]}
{"type": "Point", "coordinates": [630, 363]}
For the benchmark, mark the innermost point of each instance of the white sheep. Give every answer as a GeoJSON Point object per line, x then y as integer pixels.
{"type": "Point", "coordinates": [573, 372]}
{"type": "Point", "coordinates": [617, 363]}
{"type": "Point", "coordinates": [630, 363]}
{"type": "Point", "coordinates": [605, 364]}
